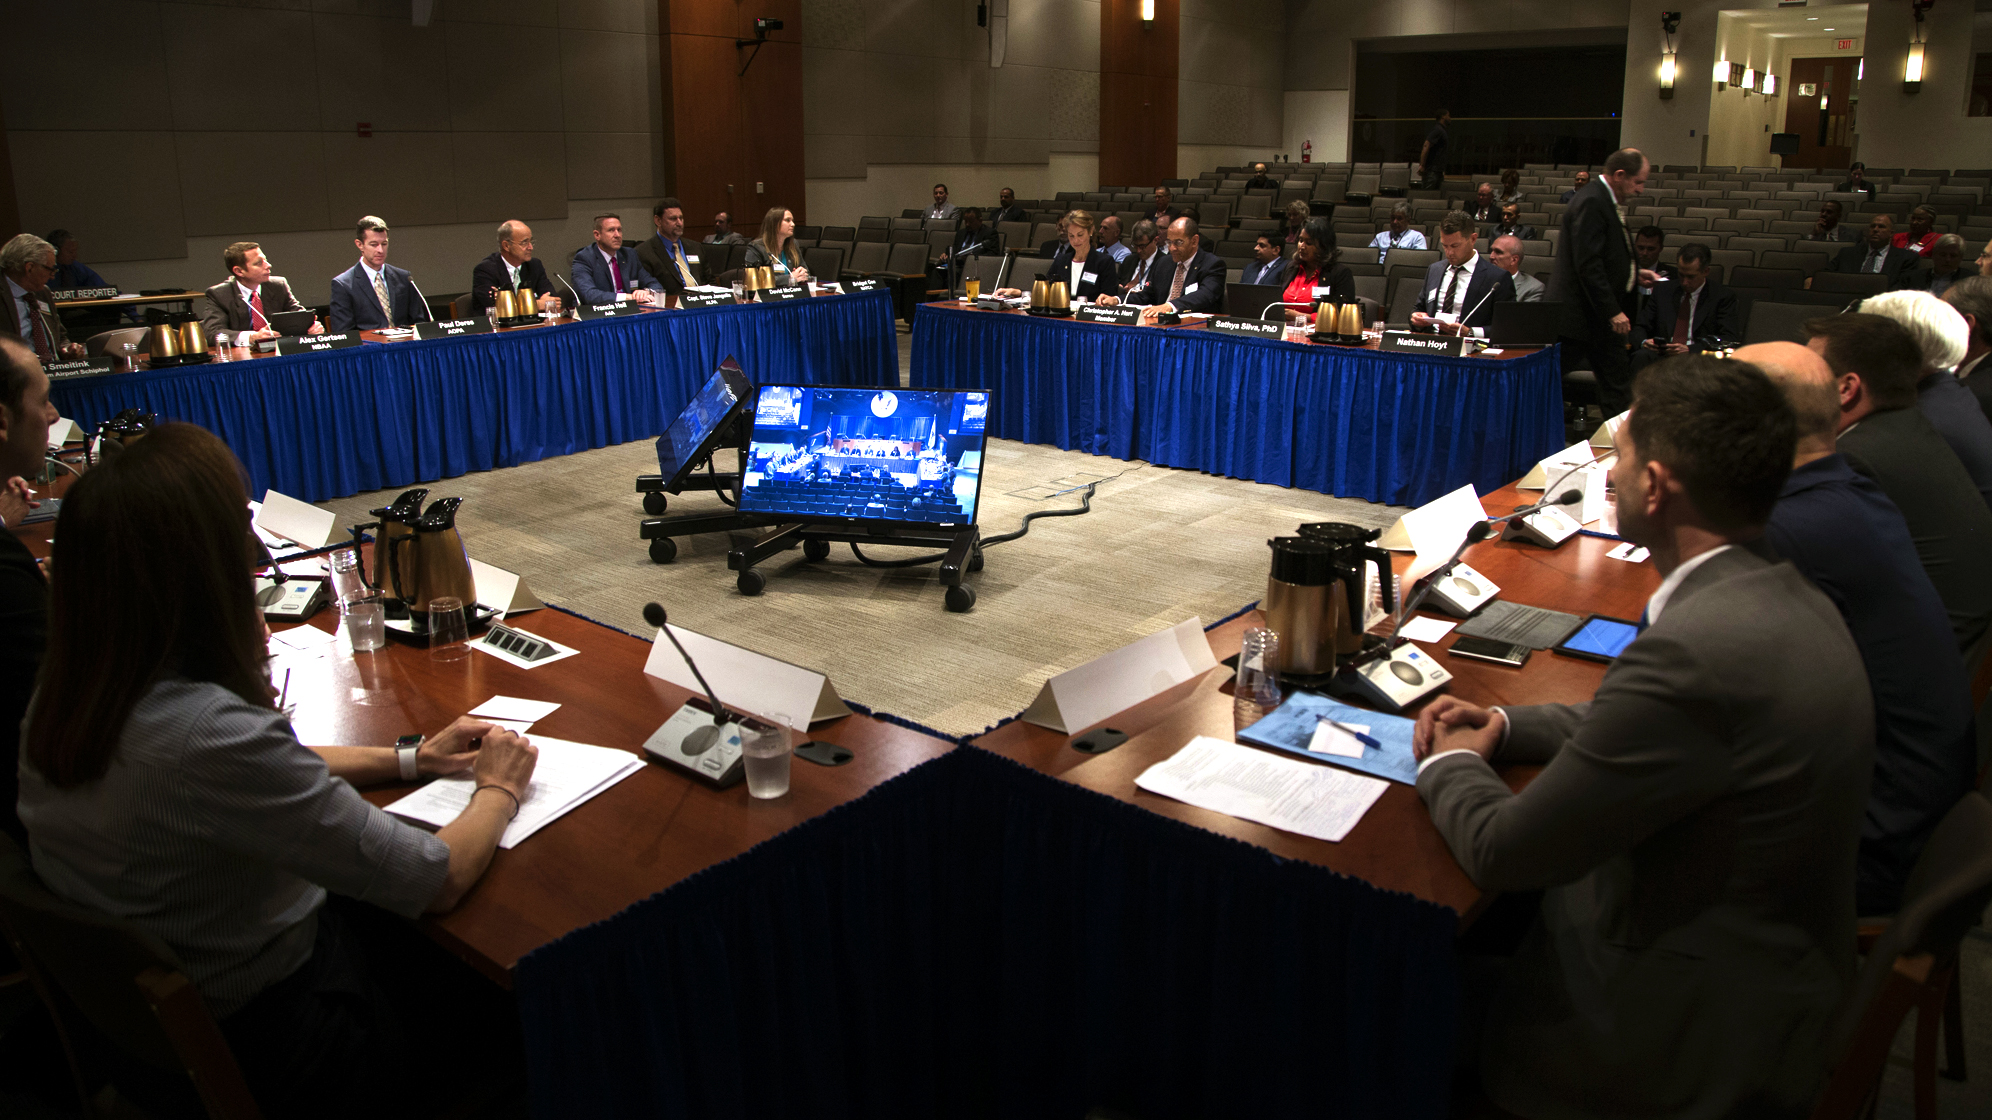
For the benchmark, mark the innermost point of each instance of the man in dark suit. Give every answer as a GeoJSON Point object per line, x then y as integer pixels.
{"type": "Point", "coordinates": [1688, 316]}
{"type": "Point", "coordinates": [1462, 287]}
{"type": "Point", "coordinates": [27, 262]}
{"type": "Point", "coordinates": [607, 271]}
{"type": "Point", "coordinates": [1828, 227]}
{"type": "Point", "coordinates": [1942, 336]}
{"type": "Point", "coordinates": [1260, 181]}
{"type": "Point", "coordinates": [1595, 279]}
{"type": "Point", "coordinates": [666, 253]}
{"type": "Point", "coordinates": [1583, 177]}
{"type": "Point", "coordinates": [1972, 297]}
{"type": "Point", "coordinates": [1876, 364]}
{"type": "Point", "coordinates": [512, 267]}
{"type": "Point", "coordinates": [373, 294]}
{"type": "Point", "coordinates": [1188, 278]}
{"type": "Point", "coordinates": [722, 231]}
{"type": "Point", "coordinates": [1164, 210]}
{"type": "Point", "coordinates": [1875, 254]}
{"type": "Point", "coordinates": [1267, 264]}
{"type": "Point", "coordinates": [1843, 533]}
{"type": "Point", "coordinates": [1511, 225]}
{"type": "Point", "coordinates": [25, 416]}
{"type": "Point", "coordinates": [971, 240]}
{"type": "Point", "coordinates": [1483, 207]}
{"type": "Point", "coordinates": [1695, 825]}
{"type": "Point", "coordinates": [244, 303]}
{"type": "Point", "coordinates": [1147, 257]}
{"type": "Point", "coordinates": [1007, 209]}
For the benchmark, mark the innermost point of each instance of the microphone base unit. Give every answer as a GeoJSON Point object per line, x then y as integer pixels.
{"type": "Point", "coordinates": [1392, 683]}
{"type": "Point", "coordinates": [1461, 592]}
{"type": "Point", "coordinates": [691, 743]}
{"type": "Point", "coordinates": [1547, 528]}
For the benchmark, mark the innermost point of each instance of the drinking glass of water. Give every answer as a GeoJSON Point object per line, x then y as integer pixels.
{"type": "Point", "coordinates": [765, 745]}
{"type": "Point", "coordinates": [1257, 691]}
{"type": "Point", "coordinates": [366, 619]}
{"type": "Point", "coordinates": [449, 629]}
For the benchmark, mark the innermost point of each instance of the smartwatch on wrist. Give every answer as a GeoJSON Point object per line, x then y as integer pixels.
{"type": "Point", "coordinates": [405, 749]}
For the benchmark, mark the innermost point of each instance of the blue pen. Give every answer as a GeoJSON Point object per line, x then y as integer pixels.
{"type": "Point", "coordinates": [1359, 736]}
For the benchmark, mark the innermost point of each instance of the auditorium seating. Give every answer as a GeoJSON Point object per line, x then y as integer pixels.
{"type": "Point", "coordinates": [843, 496]}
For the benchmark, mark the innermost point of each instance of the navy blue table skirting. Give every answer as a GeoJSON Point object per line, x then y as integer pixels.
{"type": "Point", "coordinates": [1391, 428]}
{"type": "Point", "coordinates": [338, 422]}
{"type": "Point", "coordinates": [976, 939]}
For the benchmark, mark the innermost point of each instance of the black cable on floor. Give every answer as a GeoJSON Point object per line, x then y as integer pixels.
{"type": "Point", "coordinates": [1085, 506]}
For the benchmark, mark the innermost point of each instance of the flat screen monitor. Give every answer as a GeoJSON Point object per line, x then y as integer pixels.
{"type": "Point", "coordinates": [701, 424]}
{"type": "Point", "coordinates": [1523, 324]}
{"type": "Point", "coordinates": [1249, 301]}
{"type": "Point", "coordinates": [828, 453]}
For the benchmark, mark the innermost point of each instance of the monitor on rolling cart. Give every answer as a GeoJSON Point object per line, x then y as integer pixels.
{"type": "Point", "coordinates": [834, 454]}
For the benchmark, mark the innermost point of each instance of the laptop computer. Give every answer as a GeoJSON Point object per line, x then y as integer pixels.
{"type": "Point", "coordinates": [1249, 301]}
{"type": "Point", "coordinates": [1524, 324]}
{"type": "Point", "coordinates": [291, 322]}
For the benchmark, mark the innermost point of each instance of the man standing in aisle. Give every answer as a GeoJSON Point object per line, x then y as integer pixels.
{"type": "Point", "coordinates": [1595, 279]}
{"type": "Point", "coordinates": [1432, 157]}
{"type": "Point", "coordinates": [373, 294]}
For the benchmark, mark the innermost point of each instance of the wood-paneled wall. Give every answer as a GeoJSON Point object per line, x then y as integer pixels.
{"type": "Point", "coordinates": [1138, 70]}
{"type": "Point", "coordinates": [722, 129]}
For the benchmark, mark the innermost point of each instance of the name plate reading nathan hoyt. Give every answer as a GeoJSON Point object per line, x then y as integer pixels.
{"type": "Point", "coordinates": [1094, 313]}
{"type": "Point", "coordinates": [448, 327]}
{"type": "Point", "coordinates": [794, 291]}
{"type": "Point", "coordinates": [305, 344]}
{"type": "Point", "coordinates": [65, 295]}
{"type": "Point", "coordinates": [82, 367]}
{"type": "Point", "coordinates": [608, 310]}
{"type": "Point", "coordinates": [1409, 342]}
{"type": "Point", "coordinates": [1258, 328]}
{"type": "Point", "coordinates": [706, 299]}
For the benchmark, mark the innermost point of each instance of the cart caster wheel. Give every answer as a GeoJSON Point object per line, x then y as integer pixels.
{"type": "Point", "coordinates": [816, 550]}
{"type": "Point", "coordinates": [654, 502]}
{"type": "Point", "coordinates": [663, 550]}
{"type": "Point", "coordinates": [752, 582]}
{"type": "Point", "coordinates": [975, 561]}
{"type": "Point", "coordinates": [961, 597]}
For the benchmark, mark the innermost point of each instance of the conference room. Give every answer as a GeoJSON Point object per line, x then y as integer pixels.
{"type": "Point", "coordinates": [801, 554]}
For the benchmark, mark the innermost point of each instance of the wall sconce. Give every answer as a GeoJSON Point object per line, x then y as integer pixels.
{"type": "Point", "coordinates": [1912, 72]}
{"type": "Point", "coordinates": [1721, 74]}
{"type": "Point", "coordinates": [1148, 13]}
{"type": "Point", "coordinates": [1670, 22]}
{"type": "Point", "coordinates": [1770, 84]}
{"type": "Point", "coordinates": [1749, 82]}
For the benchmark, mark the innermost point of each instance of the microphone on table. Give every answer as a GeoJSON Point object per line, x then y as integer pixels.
{"type": "Point", "coordinates": [701, 739]}
{"type": "Point", "coordinates": [1475, 533]}
{"type": "Point", "coordinates": [428, 316]}
{"type": "Point", "coordinates": [570, 291]}
{"type": "Point", "coordinates": [1567, 498]}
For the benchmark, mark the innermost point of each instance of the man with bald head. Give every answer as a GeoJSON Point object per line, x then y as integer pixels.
{"type": "Point", "coordinates": [1848, 538]}
{"type": "Point", "coordinates": [512, 267]}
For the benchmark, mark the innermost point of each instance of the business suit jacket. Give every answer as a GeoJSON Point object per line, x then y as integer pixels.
{"type": "Point", "coordinates": [1528, 289]}
{"type": "Point", "coordinates": [23, 636]}
{"type": "Point", "coordinates": [355, 307]}
{"type": "Point", "coordinates": [1206, 276]}
{"type": "Point", "coordinates": [225, 310]}
{"type": "Point", "coordinates": [1948, 521]}
{"type": "Point", "coordinates": [655, 256]}
{"type": "Point", "coordinates": [1488, 285]}
{"type": "Point", "coordinates": [51, 322]}
{"type": "Point", "coordinates": [1594, 269]}
{"type": "Point", "coordinates": [1099, 264]}
{"type": "Point", "coordinates": [1898, 265]}
{"type": "Point", "coordinates": [1694, 830]}
{"type": "Point", "coordinates": [593, 281]}
{"type": "Point", "coordinates": [1267, 273]}
{"type": "Point", "coordinates": [1952, 411]}
{"type": "Point", "coordinates": [1717, 323]}
{"type": "Point", "coordinates": [1525, 232]}
{"type": "Point", "coordinates": [1007, 214]}
{"type": "Point", "coordinates": [490, 274]}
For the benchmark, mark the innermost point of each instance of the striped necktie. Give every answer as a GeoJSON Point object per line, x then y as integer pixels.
{"type": "Point", "coordinates": [380, 293]}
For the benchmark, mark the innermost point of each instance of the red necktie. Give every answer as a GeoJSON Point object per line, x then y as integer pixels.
{"type": "Point", "coordinates": [257, 320]}
{"type": "Point", "coordinates": [615, 266]}
{"type": "Point", "coordinates": [38, 331]}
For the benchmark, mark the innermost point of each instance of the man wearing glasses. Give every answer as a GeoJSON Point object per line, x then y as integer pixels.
{"type": "Point", "coordinates": [28, 262]}
{"type": "Point", "coordinates": [1194, 280]}
{"type": "Point", "coordinates": [512, 267]}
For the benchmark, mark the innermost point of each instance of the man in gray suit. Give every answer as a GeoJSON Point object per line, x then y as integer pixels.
{"type": "Point", "coordinates": [1695, 825]}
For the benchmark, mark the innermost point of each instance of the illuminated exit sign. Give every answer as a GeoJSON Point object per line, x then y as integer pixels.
{"type": "Point", "coordinates": [1843, 44]}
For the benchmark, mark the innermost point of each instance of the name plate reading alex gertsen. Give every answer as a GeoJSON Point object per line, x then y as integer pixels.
{"type": "Point", "coordinates": [1094, 313]}
{"type": "Point", "coordinates": [1411, 342]}
{"type": "Point", "coordinates": [1258, 328]}
{"type": "Point", "coordinates": [306, 343]}
{"type": "Point", "coordinates": [82, 367]}
{"type": "Point", "coordinates": [775, 295]}
{"type": "Point", "coordinates": [65, 295]}
{"type": "Point", "coordinates": [706, 299]}
{"type": "Point", "coordinates": [448, 327]}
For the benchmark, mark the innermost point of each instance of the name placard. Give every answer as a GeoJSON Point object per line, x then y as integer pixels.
{"type": "Point", "coordinates": [83, 367]}
{"type": "Point", "coordinates": [1259, 328]}
{"type": "Point", "coordinates": [64, 295]}
{"type": "Point", "coordinates": [1409, 342]}
{"type": "Point", "coordinates": [448, 327]}
{"type": "Point", "coordinates": [1094, 313]}
{"type": "Point", "coordinates": [306, 343]}
{"type": "Point", "coordinates": [793, 291]}
{"type": "Point", "coordinates": [705, 299]}
{"type": "Point", "coordinates": [608, 310]}
{"type": "Point", "coordinates": [851, 286]}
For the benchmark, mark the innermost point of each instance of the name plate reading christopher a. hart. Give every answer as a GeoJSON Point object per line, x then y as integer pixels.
{"type": "Point", "coordinates": [306, 343]}
{"type": "Point", "coordinates": [1094, 313]}
{"type": "Point", "coordinates": [448, 327]}
{"type": "Point", "coordinates": [1258, 328]}
{"type": "Point", "coordinates": [1411, 342]}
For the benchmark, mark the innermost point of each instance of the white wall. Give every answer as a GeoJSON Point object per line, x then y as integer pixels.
{"type": "Point", "coordinates": [1928, 128]}
{"type": "Point", "coordinates": [1320, 115]}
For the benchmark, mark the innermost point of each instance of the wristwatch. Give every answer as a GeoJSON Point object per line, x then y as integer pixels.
{"type": "Point", "coordinates": [405, 749]}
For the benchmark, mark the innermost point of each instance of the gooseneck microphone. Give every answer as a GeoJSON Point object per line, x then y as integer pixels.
{"type": "Point", "coordinates": [1475, 533]}
{"type": "Point", "coordinates": [702, 739]}
{"type": "Point", "coordinates": [1567, 498]}
{"type": "Point", "coordinates": [577, 307]}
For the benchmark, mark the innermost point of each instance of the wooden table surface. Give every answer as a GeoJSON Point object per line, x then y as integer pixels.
{"type": "Point", "coordinates": [1395, 846]}
{"type": "Point", "coordinates": [124, 300]}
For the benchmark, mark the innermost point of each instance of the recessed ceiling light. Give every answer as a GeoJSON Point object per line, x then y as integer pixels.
{"type": "Point", "coordinates": [1825, 29]}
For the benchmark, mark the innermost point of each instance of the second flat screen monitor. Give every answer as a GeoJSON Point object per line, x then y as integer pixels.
{"type": "Point", "coordinates": [898, 455]}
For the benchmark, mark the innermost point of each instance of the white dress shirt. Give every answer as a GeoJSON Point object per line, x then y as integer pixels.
{"type": "Point", "coordinates": [24, 310]}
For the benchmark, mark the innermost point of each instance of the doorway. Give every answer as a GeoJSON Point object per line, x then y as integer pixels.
{"type": "Point", "coordinates": [1820, 108]}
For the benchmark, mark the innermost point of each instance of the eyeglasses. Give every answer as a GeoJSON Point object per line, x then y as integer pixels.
{"type": "Point", "coordinates": [1177, 243]}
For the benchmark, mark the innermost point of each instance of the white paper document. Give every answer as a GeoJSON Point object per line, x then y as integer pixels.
{"type": "Point", "coordinates": [1324, 802]}
{"type": "Point", "coordinates": [1338, 738]}
{"type": "Point", "coordinates": [1422, 628]}
{"type": "Point", "coordinates": [567, 774]}
{"type": "Point", "coordinates": [514, 709]}
{"type": "Point", "coordinates": [1629, 552]}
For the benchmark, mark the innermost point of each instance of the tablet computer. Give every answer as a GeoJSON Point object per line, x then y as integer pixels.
{"type": "Point", "coordinates": [292, 322]}
{"type": "Point", "coordinates": [1599, 638]}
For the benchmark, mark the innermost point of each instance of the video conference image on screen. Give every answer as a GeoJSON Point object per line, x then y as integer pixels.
{"type": "Point", "coordinates": [878, 454]}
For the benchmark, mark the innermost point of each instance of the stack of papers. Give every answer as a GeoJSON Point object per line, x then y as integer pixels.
{"type": "Point", "coordinates": [1295, 726]}
{"type": "Point", "coordinates": [1293, 796]}
{"type": "Point", "coordinates": [514, 714]}
{"type": "Point", "coordinates": [567, 775]}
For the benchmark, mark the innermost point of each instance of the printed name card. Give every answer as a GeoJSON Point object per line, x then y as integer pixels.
{"type": "Point", "coordinates": [306, 343]}
{"type": "Point", "coordinates": [1408, 342]}
{"type": "Point", "coordinates": [863, 285]}
{"type": "Point", "coordinates": [284, 516]}
{"type": "Point", "coordinates": [64, 295]}
{"type": "Point", "coordinates": [501, 590]}
{"type": "Point", "coordinates": [448, 327]}
{"type": "Point", "coordinates": [64, 430]}
{"type": "Point", "coordinates": [1231, 324]}
{"type": "Point", "coordinates": [1094, 313]}
{"type": "Point", "coordinates": [1113, 682]}
{"type": "Point", "coordinates": [706, 299]}
{"type": "Point", "coordinates": [793, 291]}
{"type": "Point", "coordinates": [82, 367]}
{"type": "Point", "coordinates": [746, 681]}
{"type": "Point", "coordinates": [609, 310]}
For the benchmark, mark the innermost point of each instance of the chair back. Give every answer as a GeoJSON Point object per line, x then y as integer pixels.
{"type": "Point", "coordinates": [1853, 283]}
{"type": "Point", "coordinates": [1778, 322]}
{"type": "Point", "coordinates": [96, 344]}
{"type": "Point", "coordinates": [825, 264]}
